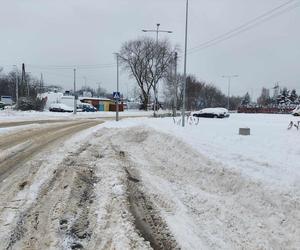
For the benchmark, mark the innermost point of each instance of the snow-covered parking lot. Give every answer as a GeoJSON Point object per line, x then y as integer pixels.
{"type": "Point", "coordinates": [125, 184]}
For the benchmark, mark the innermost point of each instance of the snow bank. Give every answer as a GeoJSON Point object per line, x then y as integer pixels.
{"type": "Point", "coordinates": [9, 115]}
{"type": "Point", "coordinates": [270, 154]}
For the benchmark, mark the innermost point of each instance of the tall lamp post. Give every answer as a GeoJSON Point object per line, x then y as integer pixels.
{"type": "Point", "coordinates": [157, 31]}
{"type": "Point", "coordinates": [229, 77]}
{"type": "Point", "coordinates": [117, 99]}
{"type": "Point", "coordinates": [75, 95]}
{"type": "Point", "coordinates": [185, 57]}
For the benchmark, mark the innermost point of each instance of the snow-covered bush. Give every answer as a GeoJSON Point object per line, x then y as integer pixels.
{"type": "Point", "coordinates": [29, 103]}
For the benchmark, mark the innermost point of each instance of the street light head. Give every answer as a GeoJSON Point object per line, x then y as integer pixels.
{"type": "Point", "coordinates": [170, 31]}
{"type": "Point", "coordinates": [144, 30]}
{"type": "Point", "coordinates": [230, 76]}
{"type": "Point", "coordinates": [158, 24]}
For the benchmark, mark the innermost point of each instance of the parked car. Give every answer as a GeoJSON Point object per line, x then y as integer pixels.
{"type": "Point", "coordinates": [2, 105]}
{"type": "Point", "coordinates": [211, 113]}
{"type": "Point", "coordinates": [86, 107]}
{"type": "Point", "coordinates": [296, 111]}
{"type": "Point", "coordinates": [60, 107]}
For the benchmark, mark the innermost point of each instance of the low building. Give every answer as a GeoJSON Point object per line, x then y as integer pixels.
{"type": "Point", "coordinates": [102, 104]}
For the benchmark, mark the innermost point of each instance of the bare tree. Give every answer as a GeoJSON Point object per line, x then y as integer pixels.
{"type": "Point", "coordinates": [148, 63]}
{"type": "Point", "coordinates": [264, 99]}
{"type": "Point", "coordinates": [199, 94]}
{"type": "Point", "coordinates": [173, 90]}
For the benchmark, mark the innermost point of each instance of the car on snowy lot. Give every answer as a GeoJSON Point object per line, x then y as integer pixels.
{"type": "Point", "coordinates": [211, 113]}
{"type": "Point", "coordinates": [2, 105]}
{"type": "Point", "coordinates": [86, 107]}
{"type": "Point", "coordinates": [296, 111]}
{"type": "Point", "coordinates": [60, 107]}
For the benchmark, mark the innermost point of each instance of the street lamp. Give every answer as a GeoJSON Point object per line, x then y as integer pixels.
{"type": "Point", "coordinates": [185, 57]}
{"type": "Point", "coordinates": [75, 96]}
{"type": "Point", "coordinates": [117, 99]}
{"type": "Point", "coordinates": [84, 78]}
{"type": "Point", "coordinates": [157, 31]}
{"type": "Point", "coordinates": [229, 81]}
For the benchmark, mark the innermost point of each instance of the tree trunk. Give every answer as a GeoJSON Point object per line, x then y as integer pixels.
{"type": "Point", "coordinates": [144, 100]}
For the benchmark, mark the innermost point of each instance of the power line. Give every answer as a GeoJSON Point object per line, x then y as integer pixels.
{"type": "Point", "coordinates": [248, 25]}
{"type": "Point", "coordinates": [66, 67]}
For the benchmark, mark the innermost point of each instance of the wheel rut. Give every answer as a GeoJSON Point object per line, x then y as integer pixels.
{"type": "Point", "coordinates": [148, 221]}
{"type": "Point", "coordinates": [39, 141]}
{"type": "Point", "coordinates": [61, 216]}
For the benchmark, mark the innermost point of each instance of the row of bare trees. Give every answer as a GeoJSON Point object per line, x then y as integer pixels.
{"type": "Point", "coordinates": [28, 89]}
{"type": "Point", "coordinates": [199, 94]}
{"type": "Point", "coordinates": [149, 62]}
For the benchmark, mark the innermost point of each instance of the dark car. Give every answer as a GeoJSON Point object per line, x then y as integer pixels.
{"type": "Point", "coordinates": [212, 113]}
{"type": "Point", "coordinates": [296, 111]}
{"type": "Point", "coordinates": [86, 107]}
{"type": "Point", "coordinates": [2, 105]}
{"type": "Point", "coordinates": [60, 107]}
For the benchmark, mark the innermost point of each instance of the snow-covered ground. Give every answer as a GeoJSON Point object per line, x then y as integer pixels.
{"type": "Point", "coordinates": [201, 187]}
{"type": "Point", "coordinates": [9, 115]}
{"type": "Point", "coordinates": [271, 153]}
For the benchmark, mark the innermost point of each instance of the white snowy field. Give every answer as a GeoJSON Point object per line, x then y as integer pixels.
{"type": "Point", "coordinates": [271, 153]}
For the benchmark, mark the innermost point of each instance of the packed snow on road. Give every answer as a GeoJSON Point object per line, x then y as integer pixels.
{"type": "Point", "coordinates": [148, 183]}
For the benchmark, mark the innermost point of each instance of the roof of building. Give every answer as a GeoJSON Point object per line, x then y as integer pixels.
{"type": "Point", "coordinates": [95, 98]}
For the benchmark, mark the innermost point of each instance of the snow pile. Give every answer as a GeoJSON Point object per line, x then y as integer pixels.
{"type": "Point", "coordinates": [9, 115]}
{"type": "Point", "coordinates": [270, 154]}
{"type": "Point", "coordinates": [206, 204]}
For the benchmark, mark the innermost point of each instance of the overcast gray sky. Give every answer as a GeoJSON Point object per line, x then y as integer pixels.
{"type": "Point", "coordinates": [42, 33]}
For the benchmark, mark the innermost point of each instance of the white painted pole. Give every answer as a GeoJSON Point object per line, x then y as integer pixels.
{"type": "Point", "coordinates": [75, 96]}
{"type": "Point", "coordinates": [185, 59]}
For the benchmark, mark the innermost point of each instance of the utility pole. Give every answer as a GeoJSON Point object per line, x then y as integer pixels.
{"type": "Point", "coordinates": [23, 81]}
{"type": "Point", "coordinates": [229, 77]}
{"type": "Point", "coordinates": [117, 99]}
{"type": "Point", "coordinates": [42, 83]}
{"type": "Point", "coordinates": [84, 82]}
{"type": "Point", "coordinates": [75, 95]}
{"type": "Point", "coordinates": [25, 84]}
{"type": "Point", "coordinates": [185, 57]}
{"type": "Point", "coordinates": [17, 84]}
{"type": "Point", "coordinates": [157, 31]}
{"type": "Point", "coordinates": [175, 82]}
{"type": "Point", "coordinates": [99, 89]}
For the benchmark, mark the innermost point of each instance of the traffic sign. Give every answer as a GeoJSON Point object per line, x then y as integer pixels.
{"type": "Point", "coordinates": [116, 95]}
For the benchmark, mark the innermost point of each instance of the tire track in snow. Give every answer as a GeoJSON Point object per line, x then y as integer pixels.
{"type": "Point", "coordinates": [40, 140]}
{"type": "Point", "coordinates": [60, 214]}
{"type": "Point", "coordinates": [148, 221]}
